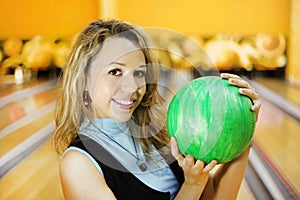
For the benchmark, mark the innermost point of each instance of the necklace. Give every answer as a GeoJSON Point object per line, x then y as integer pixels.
{"type": "Point", "coordinates": [142, 165]}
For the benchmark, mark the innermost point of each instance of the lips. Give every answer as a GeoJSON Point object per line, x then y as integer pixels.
{"type": "Point", "coordinates": [124, 103]}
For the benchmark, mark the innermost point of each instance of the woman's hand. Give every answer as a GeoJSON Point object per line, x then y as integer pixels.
{"type": "Point", "coordinates": [245, 89]}
{"type": "Point", "coordinates": [195, 173]}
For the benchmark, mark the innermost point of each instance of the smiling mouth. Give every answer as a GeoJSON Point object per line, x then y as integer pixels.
{"type": "Point", "coordinates": [124, 103]}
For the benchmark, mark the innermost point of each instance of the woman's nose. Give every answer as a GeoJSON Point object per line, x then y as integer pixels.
{"type": "Point", "coordinates": [129, 83]}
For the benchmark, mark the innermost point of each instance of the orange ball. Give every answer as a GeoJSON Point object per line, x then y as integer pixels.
{"type": "Point", "coordinates": [12, 46]}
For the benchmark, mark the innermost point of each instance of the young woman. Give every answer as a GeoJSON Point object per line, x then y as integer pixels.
{"type": "Point", "coordinates": [111, 125]}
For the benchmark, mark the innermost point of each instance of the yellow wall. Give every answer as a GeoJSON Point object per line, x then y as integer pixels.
{"type": "Point", "coordinates": [209, 16]}
{"type": "Point", "coordinates": [293, 69]}
{"type": "Point", "coordinates": [58, 18]}
{"type": "Point", "coordinates": [108, 9]}
{"type": "Point", "coordinates": [215, 16]}
{"type": "Point", "coordinates": [65, 17]}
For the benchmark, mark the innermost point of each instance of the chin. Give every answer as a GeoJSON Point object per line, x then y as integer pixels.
{"type": "Point", "coordinates": [123, 117]}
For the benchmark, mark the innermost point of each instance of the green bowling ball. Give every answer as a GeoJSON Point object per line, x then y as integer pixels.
{"type": "Point", "coordinates": [211, 120]}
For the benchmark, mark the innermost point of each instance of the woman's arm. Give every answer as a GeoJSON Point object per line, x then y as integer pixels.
{"type": "Point", "coordinates": [80, 179]}
{"type": "Point", "coordinates": [226, 181]}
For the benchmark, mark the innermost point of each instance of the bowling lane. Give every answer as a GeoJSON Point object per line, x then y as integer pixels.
{"type": "Point", "coordinates": [277, 135]}
{"type": "Point", "coordinates": [8, 86]}
{"type": "Point", "coordinates": [36, 177]}
{"type": "Point", "coordinates": [26, 119]}
{"type": "Point", "coordinates": [16, 137]}
{"type": "Point", "coordinates": [281, 87]}
{"type": "Point", "coordinates": [16, 110]}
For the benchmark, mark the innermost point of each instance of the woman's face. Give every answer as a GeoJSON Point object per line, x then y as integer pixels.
{"type": "Point", "coordinates": [116, 80]}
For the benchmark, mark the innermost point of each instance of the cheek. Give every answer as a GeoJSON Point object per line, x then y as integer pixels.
{"type": "Point", "coordinates": [141, 82]}
{"type": "Point", "coordinates": [103, 91]}
{"type": "Point", "coordinates": [142, 91]}
{"type": "Point", "coordinates": [94, 79]}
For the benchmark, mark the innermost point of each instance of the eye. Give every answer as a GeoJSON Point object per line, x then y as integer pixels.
{"type": "Point", "coordinates": [140, 73]}
{"type": "Point", "coordinates": [115, 72]}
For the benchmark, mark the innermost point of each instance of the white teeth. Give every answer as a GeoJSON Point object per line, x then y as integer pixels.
{"type": "Point", "coordinates": [124, 102]}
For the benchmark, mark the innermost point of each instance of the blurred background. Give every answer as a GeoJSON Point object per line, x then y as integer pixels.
{"type": "Point", "coordinates": [256, 39]}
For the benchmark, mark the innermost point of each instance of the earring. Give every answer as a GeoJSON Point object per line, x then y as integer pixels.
{"type": "Point", "coordinates": [86, 98]}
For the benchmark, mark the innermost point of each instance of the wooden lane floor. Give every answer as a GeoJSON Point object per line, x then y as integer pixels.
{"type": "Point", "coordinates": [282, 88]}
{"type": "Point", "coordinates": [16, 110]}
{"type": "Point", "coordinates": [26, 120]}
{"type": "Point", "coordinates": [16, 137]}
{"type": "Point", "coordinates": [36, 177]}
{"type": "Point", "coordinates": [278, 127]}
{"type": "Point", "coordinates": [25, 123]}
{"type": "Point", "coordinates": [26, 114]}
{"type": "Point", "coordinates": [7, 89]}
{"type": "Point", "coordinates": [277, 136]}
{"type": "Point", "coordinates": [20, 104]}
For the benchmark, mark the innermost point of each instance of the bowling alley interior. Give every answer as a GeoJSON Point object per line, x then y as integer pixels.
{"type": "Point", "coordinates": [258, 40]}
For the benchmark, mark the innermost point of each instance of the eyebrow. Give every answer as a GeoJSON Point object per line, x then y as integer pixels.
{"type": "Point", "coordinates": [124, 65]}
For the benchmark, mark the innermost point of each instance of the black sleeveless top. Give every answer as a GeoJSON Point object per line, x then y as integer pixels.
{"type": "Point", "coordinates": [122, 183]}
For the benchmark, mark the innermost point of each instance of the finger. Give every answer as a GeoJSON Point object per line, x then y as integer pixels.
{"type": "Point", "coordinates": [199, 165]}
{"type": "Point", "coordinates": [210, 166]}
{"type": "Point", "coordinates": [250, 93]}
{"type": "Point", "coordinates": [228, 75]}
{"type": "Point", "coordinates": [188, 161]}
{"type": "Point", "coordinates": [255, 99]}
{"type": "Point", "coordinates": [256, 106]}
{"type": "Point", "coordinates": [175, 151]}
{"type": "Point", "coordinates": [239, 83]}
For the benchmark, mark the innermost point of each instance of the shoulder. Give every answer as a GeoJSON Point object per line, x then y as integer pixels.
{"type": "Point", "coordinates": [77, 162]}
{"type": "Point", "coordinates": [76, 154]}
{"type": "Point", "coordinates": [74, 159]}
{"type": "Point", "coordinates": [75, 166]}
{"type": "Point", "coordinates": [80, 177]}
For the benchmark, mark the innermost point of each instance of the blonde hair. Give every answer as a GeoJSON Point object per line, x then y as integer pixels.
{"type": "Point", "coordinates": [148, 120]}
